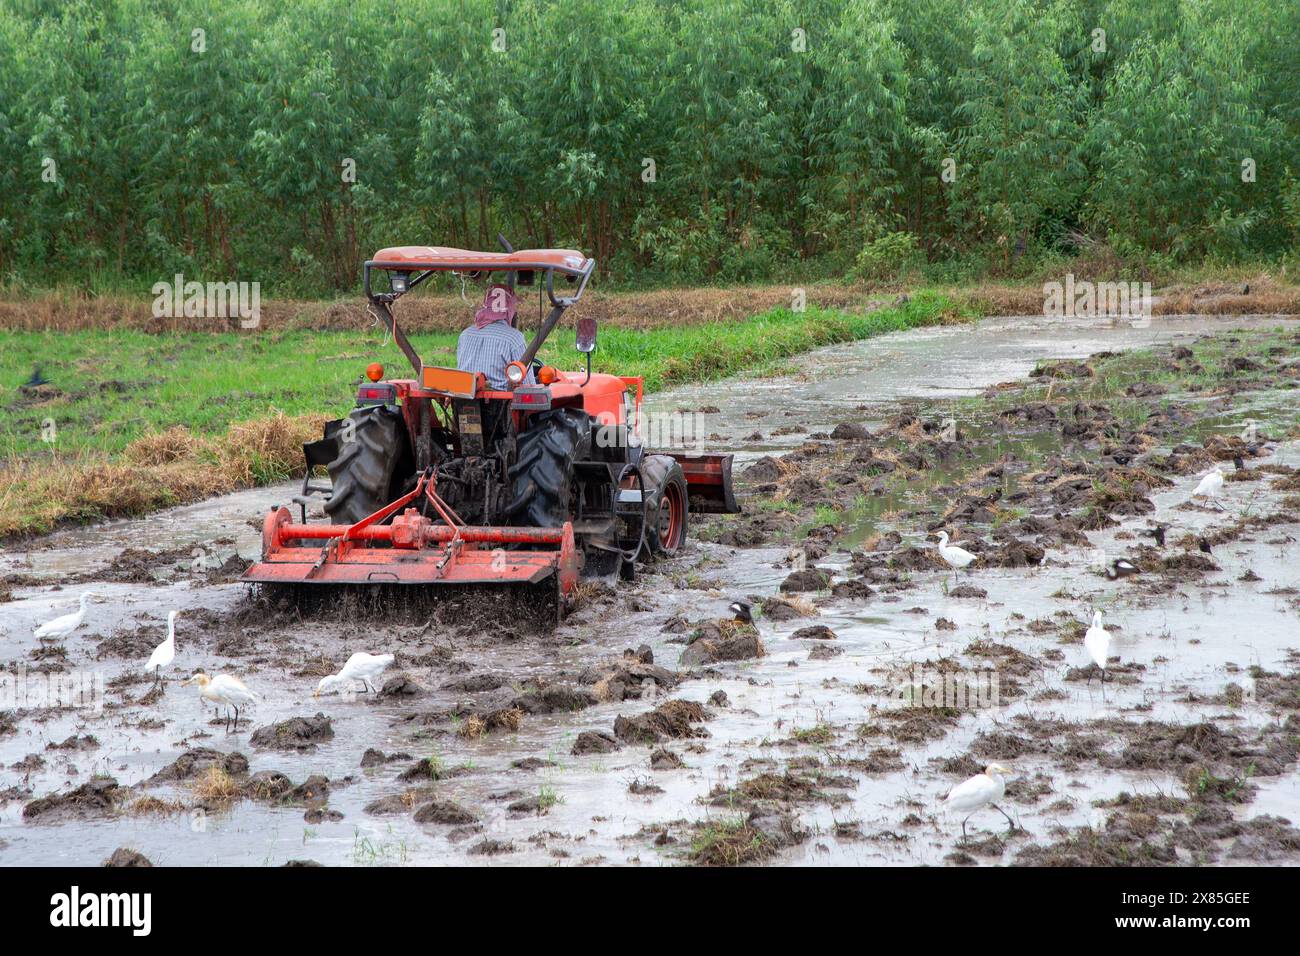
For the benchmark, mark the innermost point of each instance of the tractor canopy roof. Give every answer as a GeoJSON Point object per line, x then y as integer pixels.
{"type": "Point", "coordinates": [568, 262]}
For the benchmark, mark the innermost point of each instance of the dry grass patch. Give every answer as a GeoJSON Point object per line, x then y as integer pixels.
{"type": "Point", "coordinates": [215, 785]}
{"type": "Point", "coordinates": [159, 470]}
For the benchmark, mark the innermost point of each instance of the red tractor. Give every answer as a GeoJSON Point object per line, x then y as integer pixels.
{"type": "Point", "coordinates": [438, 479]}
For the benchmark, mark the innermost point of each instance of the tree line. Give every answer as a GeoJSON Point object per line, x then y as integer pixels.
{"type": "Point", "coordinates": [683, 141]}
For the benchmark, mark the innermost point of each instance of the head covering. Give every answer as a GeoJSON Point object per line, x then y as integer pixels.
{"type": "Point", "coordinates": [498, 304]}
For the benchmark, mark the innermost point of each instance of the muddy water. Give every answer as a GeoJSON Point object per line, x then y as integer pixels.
{"type": "Point", "coordinates": [1191, 642]}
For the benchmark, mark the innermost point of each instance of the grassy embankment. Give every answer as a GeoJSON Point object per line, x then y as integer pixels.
{"type": "Point", "coordinates": [147, 419]}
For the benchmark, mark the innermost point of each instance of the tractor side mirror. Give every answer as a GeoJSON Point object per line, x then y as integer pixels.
{"type": "Point", "coordinates": [586, 335]}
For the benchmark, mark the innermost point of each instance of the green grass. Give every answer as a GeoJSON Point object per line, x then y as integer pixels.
{"type": "Point", "coordinates": [115, 386]}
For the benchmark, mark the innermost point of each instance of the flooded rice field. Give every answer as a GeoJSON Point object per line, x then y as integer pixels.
{"type": "Point", "coordinates": [652, 728]}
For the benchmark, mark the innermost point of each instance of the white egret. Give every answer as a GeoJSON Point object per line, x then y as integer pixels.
{"type": "Point", "coordinates": [165, 652]}
{"type": "Point", "coordinates": [956, 558]}
{"type": "Point", "coordinates": [61, 627]}
{"type": "Point", "coordinates": [1211, 484]}
{"type": "Point", "coordinates": [360, 666]}
{"type": "Point", "coordinates": [982, 790]}
{"type": "Point", "coordinates": [223, 689]}
{"type": "Point", "coordinates": [1097, 642]}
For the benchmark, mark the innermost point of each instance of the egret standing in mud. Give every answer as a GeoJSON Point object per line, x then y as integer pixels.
{"type": "Point", "coordinates": [1210, 485]}
{"type": "Point", "coordinates": [956, 558]}
{"type": "Point", "coordinates": [1097, 643]}
{"type": "Point", "coordinates": [982, 790]}
{"type": "Point", "coordinates": [360, 666]}
{"type": "Point", "coordinates": [61, 627]}
{"type": "Point", "coordinates": [165, 652]}
{"type": "Point", "coordinates": [223, 689]}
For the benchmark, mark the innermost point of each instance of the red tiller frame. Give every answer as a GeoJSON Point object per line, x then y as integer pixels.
{"type": "Point", "coordinates": [417, 551]}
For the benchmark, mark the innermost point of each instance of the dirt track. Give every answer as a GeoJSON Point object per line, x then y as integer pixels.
{"type": "Point", "coordinates": [644, 729]}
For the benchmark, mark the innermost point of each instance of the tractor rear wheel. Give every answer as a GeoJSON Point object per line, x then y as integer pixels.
{"type": "Point", "coordinates": [372, 462]}
{"type": "Point", "coordinates": [667, 505]}
{"type": "Point", "coordinates": [542, 476]}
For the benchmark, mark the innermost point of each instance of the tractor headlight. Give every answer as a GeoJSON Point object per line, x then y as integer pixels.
{"type": "Point", "coordinates": [515, 372]}
{"type": "Point", "coordinates": [397, 281]}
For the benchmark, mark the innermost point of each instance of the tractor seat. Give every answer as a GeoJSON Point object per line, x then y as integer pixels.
{"type": "Point", "coordinates": [316, 453]}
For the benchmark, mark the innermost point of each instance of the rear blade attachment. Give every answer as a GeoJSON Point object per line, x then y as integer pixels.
{"type": "Point", "coordinates": [397, 547]}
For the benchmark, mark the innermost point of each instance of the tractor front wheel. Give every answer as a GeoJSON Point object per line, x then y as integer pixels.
{"type": "Point", "coordinates": [667, 505]}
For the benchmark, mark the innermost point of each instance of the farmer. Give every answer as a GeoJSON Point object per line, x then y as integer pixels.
{"type": "Point", "coordinates": [493, 342]}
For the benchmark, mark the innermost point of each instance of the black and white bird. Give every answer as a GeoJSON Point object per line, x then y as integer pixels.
{"type": "Point", "coordinates": [1122, 568]}
{"type": "Point", "coordinates": [742, 611]}
{"type": "Point", "coordinates": [37, 378]}
{"type": "Point", "coordinates": [1157, 532]}
{"type": "Point", "coordinates": [1204, 545]}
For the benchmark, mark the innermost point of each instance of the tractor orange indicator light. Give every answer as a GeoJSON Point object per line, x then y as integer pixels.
{"type": "Point", "coordinates": [547, 374]}
{"type": "Point", "coordinates": [374, 371]}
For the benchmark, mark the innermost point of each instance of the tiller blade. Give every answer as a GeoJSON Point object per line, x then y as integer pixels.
{"type": "Point", "coordinates": [412, 549]}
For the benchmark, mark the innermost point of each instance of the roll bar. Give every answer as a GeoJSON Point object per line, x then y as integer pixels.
{"type": "Point", "coordinates": [419, 270]}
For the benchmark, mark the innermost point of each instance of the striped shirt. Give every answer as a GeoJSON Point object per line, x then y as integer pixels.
{"type": "Point", "coordinates": [489, 350]}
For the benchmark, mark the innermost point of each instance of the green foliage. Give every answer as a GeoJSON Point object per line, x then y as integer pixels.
{"type": "Point", "coordinates": [888, 257]}
{"type": "Point", "coordinates": [700, 140]}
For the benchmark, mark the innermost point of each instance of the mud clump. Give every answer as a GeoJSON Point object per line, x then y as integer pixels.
{"type": "Point", "coordinates": [297, 733]}
{"type": "Point", "coordinates": [445, 812]}
{"type": "Point", "coordinates": [671, 720]}
{"type": "Point", "coordinates": [855, 589]}
{"type": "Point", "coordinates": [402, 685]}
{"type": "Point", "coordinates": [619, 678]}
{"type": "Point", "coordinates": [1191, 562]}
{"type": "Point", "coordinates": [767, 788]}
{"type": "Point", "coordinates": [815, 632]}
{"type": "Point", "coordinates": [97, 798]}
{"type": "Point", "coordinates": [810, 579]}
{"type": "Point", "coordinates": [126, 857]}
{"type": "Point", "coordinates": [594, 742]}
{"type": "Point", "coordinates": [766, 469]}
{"type": "Point", "coordinates": [194, 762]}
{"type": "Point", "coordinates": [1015, 554]}
{"type": "Point", "coordinates": [850, 431]}
{"type": "Point", "coordinates": [916, 559]}
{"type": "Point", "coordinates": [1158, 746]}
{"type": "Point", "coordinates": [780, 609]}
{"type": "Point", "coordinates": [1064, 369]}
{"type": "Point", "coordinates": [554, 698]}
{"type": "Point", "coordinates": [476, 683]}
{"type": "Point", "coordinates": [490, 847]}
{"type": "Point", "coordinates": [377, 758]}
{"type": "Point", "coordinates": [736, 843]}
{"type": "Point", "coordinates": [713, 644]}
{"type": "Point", "coordinates": [1088, 847]}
